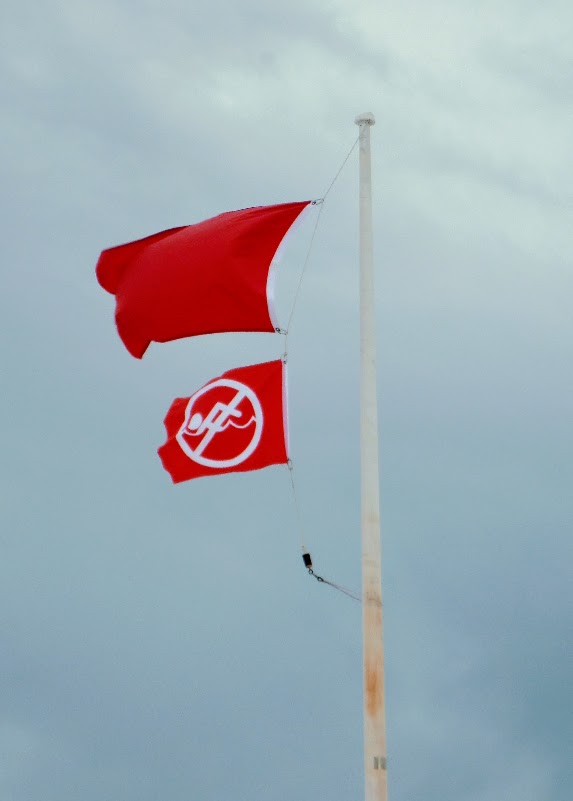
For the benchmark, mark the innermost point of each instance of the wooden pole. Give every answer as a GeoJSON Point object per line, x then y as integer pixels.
{"type": "Point", "coordinates": [373, 649]}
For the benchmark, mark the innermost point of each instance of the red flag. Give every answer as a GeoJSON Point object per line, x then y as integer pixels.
{"type": "Point", "coordinates": [199, 279]}
{"type": "Point", "coordinates": [235, 422]}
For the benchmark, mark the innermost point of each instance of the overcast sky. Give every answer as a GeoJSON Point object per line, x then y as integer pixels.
{"type": "Point", "coordinates": [164, 643]}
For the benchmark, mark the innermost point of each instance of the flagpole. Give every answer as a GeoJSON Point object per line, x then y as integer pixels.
{"type": "Point", "coordinates": [373, 648]}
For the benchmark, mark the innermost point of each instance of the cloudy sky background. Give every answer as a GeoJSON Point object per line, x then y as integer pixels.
{"type": "Point", "coordinates": [164, 643]}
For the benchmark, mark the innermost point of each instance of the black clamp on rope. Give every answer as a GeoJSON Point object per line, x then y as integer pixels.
{"type": "Point", "coordinates": [306, 558]}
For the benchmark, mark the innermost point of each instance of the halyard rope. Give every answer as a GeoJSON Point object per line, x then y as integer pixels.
{"type": "Point", "coordinates": [338, 587]}
{"type": "Point", "coordinates": [285, 332]}
{"type": "Point", "coordinates": [319, 202]}
{"type": "Point", "coordinates": [341, 167]}
{"type": "Point", "coordinates": [306, 555]}
{"type": "Point", "coordinates": [304, 266]}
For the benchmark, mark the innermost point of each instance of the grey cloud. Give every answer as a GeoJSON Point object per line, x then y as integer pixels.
{"type": "Point", "coordinates": [165, 641]}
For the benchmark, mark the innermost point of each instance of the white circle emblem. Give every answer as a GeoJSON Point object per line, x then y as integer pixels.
{"type": "Point", "coordinates": [221, 415]}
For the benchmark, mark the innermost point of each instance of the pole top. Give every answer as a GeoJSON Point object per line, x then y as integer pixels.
{"type": "Point", "coordinates": [367, 117]}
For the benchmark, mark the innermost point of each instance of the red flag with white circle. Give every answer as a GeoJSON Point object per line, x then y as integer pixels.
{"type": "Point", "coordinates": [236, 422]}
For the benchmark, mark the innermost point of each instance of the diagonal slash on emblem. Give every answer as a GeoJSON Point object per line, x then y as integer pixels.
{"type": "Point", "coordinates": [217, 421]}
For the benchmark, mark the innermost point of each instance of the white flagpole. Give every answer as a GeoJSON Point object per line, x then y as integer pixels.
{"type": "Point", "coordinates": [373, 649]}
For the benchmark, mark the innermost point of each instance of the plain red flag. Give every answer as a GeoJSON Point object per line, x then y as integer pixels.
{"type": "Point", "coordinates": [236, 422]}
{"type": "Point", "coordinates": [205, 278]}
